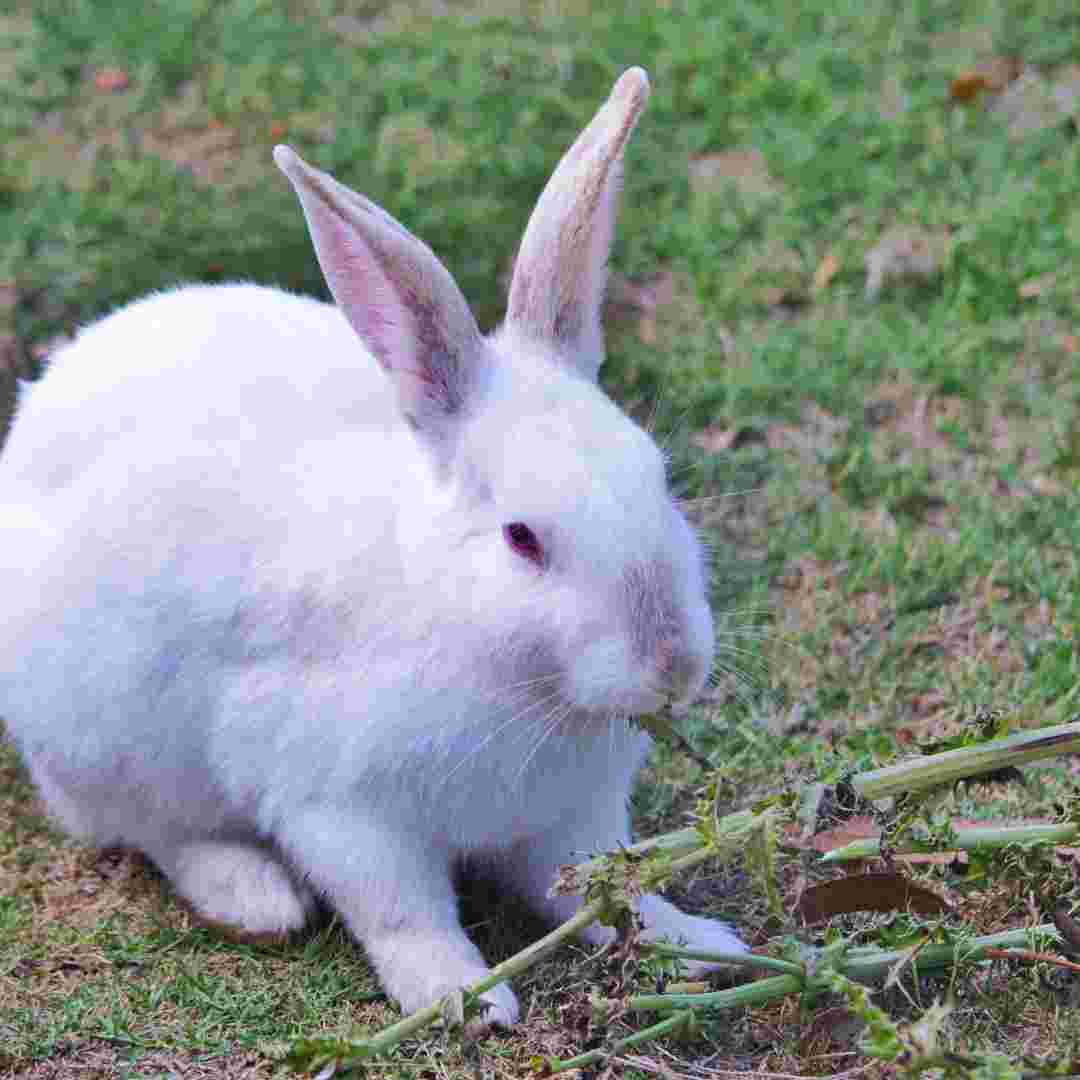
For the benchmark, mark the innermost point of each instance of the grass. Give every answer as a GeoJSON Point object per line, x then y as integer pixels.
{"type": "Point", "coordinates": [906, 467]}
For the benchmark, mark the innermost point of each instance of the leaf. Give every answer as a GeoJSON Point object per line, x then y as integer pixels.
{"type": "Point", "coordinates": [111, 80]}
{"type": "Point", "coordinates": [993, 75]}
{"type": "Point", "coordinates": [827, 269]}
{"type": "Point", "coordinates": [857, 828]}
{"type": "Point", "coordinates": [968, 86]}
{"type": "Point", "coordinates": [868, 892]}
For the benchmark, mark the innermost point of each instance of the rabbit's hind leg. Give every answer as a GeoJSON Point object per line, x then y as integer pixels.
{"type": "Point", "coordinates": [77, 820]}
{"type": "Point", "coordinates": [239, 889]}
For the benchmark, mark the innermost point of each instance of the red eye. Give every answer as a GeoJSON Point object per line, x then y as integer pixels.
{"type": "Point", "coordinates": [524, 542]}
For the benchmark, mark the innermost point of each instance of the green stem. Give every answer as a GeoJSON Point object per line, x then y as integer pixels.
{"type": "Point", "coordinates": [920, 774]}
{"type": "Point", "coordinates": [967, 838]}
{"type": "Point", "coordinates": [750, 960]}
{"type": "Point", "coordinates": [863, 965]}
{"type": "Point", "coordinates": [868, 964]}
{"type": "Point", "coordinates": [752, 993]}
{"type": "Point", "coordinates": [655, 1031]}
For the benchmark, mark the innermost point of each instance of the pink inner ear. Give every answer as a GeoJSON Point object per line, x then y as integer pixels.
{"type": "Point", "coordinates": [367, 298]}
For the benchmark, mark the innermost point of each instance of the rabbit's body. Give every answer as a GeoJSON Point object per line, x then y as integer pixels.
{"type": "Point", "coordinates": [265, 617]}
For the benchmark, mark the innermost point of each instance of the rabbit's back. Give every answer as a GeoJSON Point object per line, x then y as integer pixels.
{"type": "Point", "coordinates": [233, 367]}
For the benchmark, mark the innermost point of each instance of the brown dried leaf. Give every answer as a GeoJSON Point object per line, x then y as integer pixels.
{"type": "Point", "coordinates": [111, 80]}
{"type": "Point", "coordinates": [994, 75]}
{"type": "Point", "coordinates": [967, 87]}
{"type": "Point", "coordinates": [856, 828]}
{"type": "Point", "coordinates": [827, 269]}
{"type": "Point", "coordinates": [868, 892]}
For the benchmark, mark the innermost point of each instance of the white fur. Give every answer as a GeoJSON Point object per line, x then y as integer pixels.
{"type": "Point", "coordinates": [261, 618]}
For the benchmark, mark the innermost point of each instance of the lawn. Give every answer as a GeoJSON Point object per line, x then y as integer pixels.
{"type": "Point", "coordinates": [845, 290]}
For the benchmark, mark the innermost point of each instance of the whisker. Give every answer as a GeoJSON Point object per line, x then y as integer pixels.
{"type": "Point", "coordinates": [560, 714]}
{"type": "Point", "coordinates": [512, 719]}
{"type": "Point", "coordinates": [697, 500]}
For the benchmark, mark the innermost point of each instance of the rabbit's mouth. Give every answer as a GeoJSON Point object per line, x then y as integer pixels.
{"type": "Point", "coordinates": [612, 705]}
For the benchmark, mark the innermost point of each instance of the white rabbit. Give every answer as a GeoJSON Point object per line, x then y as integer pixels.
{"type": "Point", "coordinates": [308, 600]}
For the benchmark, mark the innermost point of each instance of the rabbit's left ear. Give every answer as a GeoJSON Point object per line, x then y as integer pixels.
{"type": "Point", "coordinates": [396, 295]}
{"type": "Point", "coordinates": [561, 269]}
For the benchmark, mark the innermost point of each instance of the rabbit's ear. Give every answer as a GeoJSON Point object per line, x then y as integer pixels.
{"type": "Point", "coordinates": [396, 295]}
{"type": "Point", "coordinates": [558, 284]}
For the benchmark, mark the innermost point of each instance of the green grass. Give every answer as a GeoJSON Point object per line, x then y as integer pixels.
{"type": "Point", "coordinates": [905, 546]}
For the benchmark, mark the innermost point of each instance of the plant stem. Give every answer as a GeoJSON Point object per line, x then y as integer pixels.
{"type": "Point", "coordinates": [863, 965]}
{"type": "Point", "coordinates": [655, 1031]}
{"type": "Point", "coordinates": [866, 965]}
{"type": "Point", "coordinates": [752, 993]}
{"type": "Point", "coordinates": [920, 774]}
{"type": "Point", "coordinates": [750, 960]}
{"type": "Point", "coordinates": [968, 838]}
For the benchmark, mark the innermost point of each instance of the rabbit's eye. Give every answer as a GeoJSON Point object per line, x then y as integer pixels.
{"type": "Point", "coordinates": [523, 541]}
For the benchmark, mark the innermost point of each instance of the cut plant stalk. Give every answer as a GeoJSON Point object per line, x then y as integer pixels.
{"type": "Point", "coordinates": [921, 774]}
{"type": "Point", "coordinates": [966, 838]}
{"type": "Point", "coordinates": [668, 1026]}
{"type": "Point", "coordinates": [862, 965]}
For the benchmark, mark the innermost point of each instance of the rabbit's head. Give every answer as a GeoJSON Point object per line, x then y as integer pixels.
{"type": "Point", "coordinates": [541, 515]}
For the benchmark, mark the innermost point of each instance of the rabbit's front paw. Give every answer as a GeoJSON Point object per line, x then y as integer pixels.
{"type": "Point", "coordinates": [664, 920]}
{"type": "Point", "coordinates": [419, 990]}
{"type": "Point", "coordinates": [420, 967]}
{"type": "Point", "coordinates": [241, 890]}
{"type": "Point", "coordinates": [502, 1010]}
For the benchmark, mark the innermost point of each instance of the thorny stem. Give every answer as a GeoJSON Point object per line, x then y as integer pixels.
{"type": "Point", "coordinates": [863, 965]}
{"type": "Point", "coordinates": [966, 838]}
{"type": "Point", "coordinates": [750, 960]}
{"type": "Point", "coordinates": [655, 1031]}
{"type": "Point", "coordinates": [919, 774]}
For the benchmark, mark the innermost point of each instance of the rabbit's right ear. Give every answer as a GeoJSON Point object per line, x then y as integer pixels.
{"type": "Point", "coordinates": [396, 295]}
